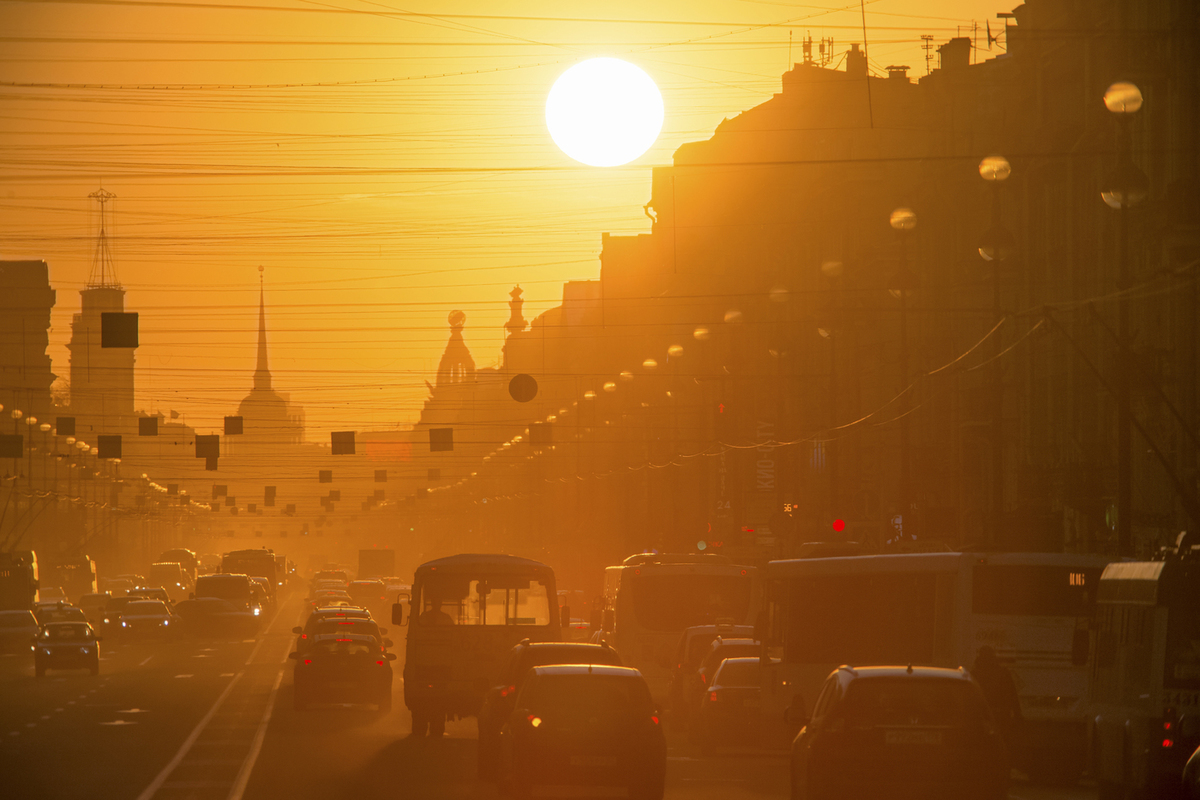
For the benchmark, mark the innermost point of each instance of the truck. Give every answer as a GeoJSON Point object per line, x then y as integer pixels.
{"type": "Point", "coordinates": [376, 563]}
{"type": "Point", "coordinates": [255, 563]}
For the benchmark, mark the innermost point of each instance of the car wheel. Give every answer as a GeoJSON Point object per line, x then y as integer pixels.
{"type": "Point", "coordinates": [488, 757]}
{"type": "Point", "coordinates": [651, 789]}
{"type": "Point", "coordinates": [437, 723]}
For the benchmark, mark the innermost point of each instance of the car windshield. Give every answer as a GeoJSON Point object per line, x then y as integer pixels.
{"type": "Point", "coordinates": [147, 608]}
{"type": "Point", "coordinates": [568, 654]}
{"type": "Point", "coordinates": [738, 673]}
{"type": "Point", "coordinates": [66, 631]}
{"type": "Point", "coordinates": [913, 701]}
{"type": "Point", "coordinates": [17, 619]}
{"type": "Point", "coordinates": [345, 647]}
{"type": "Point", "coordinates": [461, 599]}
{"type": "Point", "coordinates": [715, 657]}
{"type": "Point", "coordinates": [584, 696]}
{"type": "Point", "coordinates": [364, 626]}
{"type": "Point", "coordinates": [674, 602]}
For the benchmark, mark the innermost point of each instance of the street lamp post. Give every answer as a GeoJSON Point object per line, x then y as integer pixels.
{"type": "Point", "coordinates": [1126, 187]}
{"type": "Point", "coordinates": [903, 221]}
{"type": "Point", "coordinates": [994, 248]}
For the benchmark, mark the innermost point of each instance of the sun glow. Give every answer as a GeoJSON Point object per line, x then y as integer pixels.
{"type": "Point", "coordinates": [604, 112]}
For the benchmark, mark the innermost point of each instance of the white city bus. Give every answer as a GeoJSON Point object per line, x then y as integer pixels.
{"type": "Point", "coordinates": [1145, 686]}
{"type": "Point", "coordinates": [1034, 610]}
{"type": "Point", "coordinates": [650, 599]}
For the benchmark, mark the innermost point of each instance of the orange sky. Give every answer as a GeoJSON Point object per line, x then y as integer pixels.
{"type": "Point", "coordinates": [383, 167]}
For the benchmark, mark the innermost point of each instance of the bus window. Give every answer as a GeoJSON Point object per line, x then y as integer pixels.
{"type": "Point", "coordinates": [1182, 665]}
{"type": "Point", "coordinates": [883, 618]}
{"type": "Point", "coordinates": [665, 602]}
{"type": "Point", "coordinates": [1033, 590]}
{"type": "Point", "coordinates": [483, 600]}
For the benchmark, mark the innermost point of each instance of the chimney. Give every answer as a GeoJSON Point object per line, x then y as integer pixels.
{"type": "Point", "coordinates": [856, 62]}
{"type": "Point", "coordinates": [898, 73]}
{"type": "Point", "coordinates": [955, 54]}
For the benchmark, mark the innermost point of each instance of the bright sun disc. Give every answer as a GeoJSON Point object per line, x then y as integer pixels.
{"type": "Point", "coordinates": [604, 112]}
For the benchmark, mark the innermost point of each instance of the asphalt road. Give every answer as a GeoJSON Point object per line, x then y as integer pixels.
{"type": "Point", "coordinates": [214, 721]}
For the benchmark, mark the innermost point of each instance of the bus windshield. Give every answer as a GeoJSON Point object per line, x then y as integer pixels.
{"type": "Point", "coordinates": [465, 599]}
{"type": "Point", "coordinates": [666, 602]}
{"type": "Point", "coordinates": [1034, 590]}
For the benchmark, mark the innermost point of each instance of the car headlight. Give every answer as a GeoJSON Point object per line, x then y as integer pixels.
{"type": "Point", "coordinates": [106, 620]}
{"type": "Point", "coordinates": [124, 624]}
{"type": "Point", "coordinates": [256, 612]}
{"type": "Point", "coordinates": [84, 650]}
{"type": "Point", "coordinates": [46, 650]}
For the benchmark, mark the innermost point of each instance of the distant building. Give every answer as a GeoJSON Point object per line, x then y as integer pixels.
{"type": "Point", "coordinates": [25, 305]}
{"type": "Point", "coordinates": [268, 416]}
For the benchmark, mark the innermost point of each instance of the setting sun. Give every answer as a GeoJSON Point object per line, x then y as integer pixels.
{"type": "Point", "coordinates": [604, 112]}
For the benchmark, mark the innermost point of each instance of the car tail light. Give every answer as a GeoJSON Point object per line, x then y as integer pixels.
{"type": "Point", "coordinates": [1166, 743]}
{"type": "Point", "coordinates": [304, 636]}
{"type": "Point", "coordinates": [654, 719]}
{"type": "Point", "coordinates": [308, 661]}
{"type": "Point", "coordinates": [507, 690]}
{"type": "Point", "coordinates": [535, 721]}
{"type": "Point", "coordinates": [380, 663]}
{"type": "Point", "coordinates": [712, 697]}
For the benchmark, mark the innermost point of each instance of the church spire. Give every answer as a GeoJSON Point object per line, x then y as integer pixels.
{"type": "Point", "coordinates": [262, 373]}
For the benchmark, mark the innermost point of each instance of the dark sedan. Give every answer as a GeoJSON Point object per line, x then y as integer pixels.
{"type": "Point", "coordinates": [584, 725]}
{"type": "Point", "coordinates": [343, 669]}
{"type": "Point", "coordinates": [896, 732]}
{"type": "Point", "coordinates": [66, 645]}
{"type": "Point", "coordinates": [214, 618]}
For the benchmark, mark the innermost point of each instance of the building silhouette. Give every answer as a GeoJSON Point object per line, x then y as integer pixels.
{"type": "Point", "coordinates": [25, 372]}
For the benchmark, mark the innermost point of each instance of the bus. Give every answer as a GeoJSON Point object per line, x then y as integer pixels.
{"type": "Point", "coordinates": [185, 558]}
{"type": "Point", "coordinates": [466, 613]}
{"type": "Point", "coordinates": [76, 578]}
{"type": "Point", "coordinates": [1145, 687]}
{"type": "Point", "coordinates": [650, 599]}
{"type": "Point", "coordinates": [18, 580]}
{"type": "Point", "coordinates": [255, 563]}
{"type": "Point", "coordinates": [1035, 610]}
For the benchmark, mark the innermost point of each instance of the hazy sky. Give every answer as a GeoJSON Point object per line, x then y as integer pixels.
{"type": "Point", "coordinates": [384, 163]}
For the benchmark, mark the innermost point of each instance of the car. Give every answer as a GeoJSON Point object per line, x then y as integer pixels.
{"type": "Point", "coordinates": [171, 576]}
{"type": "Point", "coordinates": [893, 731]}
{"type": "Point", "coordinates": [498, 702]}
{"type": "Point", "coordinates": [719, 649]}
{"type": "Point", "coordinates": [326, 624]}
{"type": "Point", "coordinates": [232, 587]}
{"type": "Point", "coordinates": [93, 605]}
{"type": "Point", "coordinates": [146, 618]}
{"type": "Point", "coordinates": [110, 623]}
{"type": "Point", "coordinates": [333, 602]}
{"type": "Point", "coordinates": [338, 575]}
{"type": "Point", "coordinates": [1191, 776]}
{"type": "Point", "coordinates": [584, 725]}
{"type": "Point", "coordinates": [693, 645]}
{"type": "Point", "coordinates": [214, 618]}
{"type": "Point", "coordinates": [51, 594]}
{"type": "Point", "coordinates": [152, 593]}
{"type": "Point", "coordinates": [367, 591]}
{"type": "Point", "coordinates": [731, 711]}
{"type": "Point", "coordinates": [340, 668]}
{"type": "Point", "coordinates": [118, 587]}
{"type": "Point", "coordinates": [17, 629]}
{"type": "Point", "coordinates": [66, 645]}
{"type": "Point", "coordinates": [59, 612]}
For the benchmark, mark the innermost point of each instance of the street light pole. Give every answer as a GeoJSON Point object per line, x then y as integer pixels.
{"type": "Point", "coordinates": [903, 220]}
{"type": "Point", "coordinates": [1128, 187]}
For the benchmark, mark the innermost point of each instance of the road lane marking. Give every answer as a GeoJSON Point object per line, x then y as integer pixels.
{"type": "Point", "coordinates": [119, 722]}
{"type": "Point", "coordinates": [147, 661]}
{"type": "Point", "coordinates": [185, 676]}
{"type": "Point", "coordinates": [243, 778]}
{"type": "Point", "coordinates": [133, 711]}
{"type": "Point", "coordinates": [226, 674]}
{"type": "Point", "coordinates": [162, 776]}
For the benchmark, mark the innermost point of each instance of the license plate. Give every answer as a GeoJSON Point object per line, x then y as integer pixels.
{"type": "Point", "coordinates": [593, 761]}
{"type": "Point", "coordinates": [913, 737]}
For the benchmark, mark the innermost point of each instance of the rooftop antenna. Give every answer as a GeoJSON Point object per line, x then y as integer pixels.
{"type": "Point", "coordinates": [806, 48]}
{"type": "Point", "coordinates": [789, 64]}
{"type": "Point", "coordinates": [104, 271]}
{"type": "Point", "coordinates": [862, 7]}
{"type": "Point", "coordinates": [927, 46]}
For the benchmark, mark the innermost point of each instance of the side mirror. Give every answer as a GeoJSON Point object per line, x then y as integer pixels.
{"type": "Point", "coordinates": [383, 631]}
{"type": "Point", "coordinates": [293, 655]}
{"type": "Point", "coordinates": [390, 656]}
{"type": "Point", "coordinates": [566, 616]}
{"type": "Point", "coordinates": [397, 613]}
{"type": "Point", "coordinates": [297, 630]}
{"type": "Point", "coordinates": [388, 643]}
